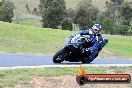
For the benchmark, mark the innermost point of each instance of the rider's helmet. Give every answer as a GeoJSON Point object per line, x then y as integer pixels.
{"type": "Point", "coordinates": [96, 28]}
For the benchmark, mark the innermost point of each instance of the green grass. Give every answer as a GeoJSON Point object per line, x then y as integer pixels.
{"type": "Point", "coordinates": [8, 78]}
{"type": "Point", "coordinates": [27, 39]}
{"type": "Point", "coordinates": [29, 22]}
{"type": "Point", "coordinates": [11, 77]}
{"type": "Point", "coordinates": [120, 44]}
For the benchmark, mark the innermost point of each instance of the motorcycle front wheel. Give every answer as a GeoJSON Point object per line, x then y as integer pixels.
{"type": "Point", "coordinates": [58, 57]}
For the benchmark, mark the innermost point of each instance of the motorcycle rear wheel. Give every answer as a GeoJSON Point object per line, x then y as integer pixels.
{"type": "Point", "coordinates": [85, 61]}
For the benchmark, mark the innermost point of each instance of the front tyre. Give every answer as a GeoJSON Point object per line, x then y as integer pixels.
{"type": "Point", "coordinates": [59, 56]}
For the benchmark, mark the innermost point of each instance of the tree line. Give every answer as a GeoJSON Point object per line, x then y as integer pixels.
{"type": "Point", "coordinates": [116, 19]}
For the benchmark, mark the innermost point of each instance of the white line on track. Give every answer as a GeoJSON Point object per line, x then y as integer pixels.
{"type": "Point", "coordinates": [62, 66]}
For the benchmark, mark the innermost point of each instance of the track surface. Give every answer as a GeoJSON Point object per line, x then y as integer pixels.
{"type": "Point", "coordinates": [11, 60]}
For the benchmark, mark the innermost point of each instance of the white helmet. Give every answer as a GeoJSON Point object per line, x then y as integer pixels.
{"type": "Point", "coordinates": [96, 26]}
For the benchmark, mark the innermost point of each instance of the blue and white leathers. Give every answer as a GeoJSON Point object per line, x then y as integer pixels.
{"type": "Point", "coordinates": [98, 43]}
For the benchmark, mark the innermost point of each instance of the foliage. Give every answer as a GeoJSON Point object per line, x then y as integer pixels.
{"type": "Point", "coordinates": [35, 11]}
{"type": "Point", "coordinates": [67, 25]}
{"type": "Point", "coordinates": [28, 9]}
{"type": "Point", "coordinates": [6, 11]}
{"type": "Point", "coordinates": [53, 12]}
{"type": "Point", "coordinates": [70, 13]}
{"type": "Point", "coordinates": [86, 14]}
{"type": "Point", "coordinates": [126, 13]}
{"type": "Point", "coordinates": [119, 15]}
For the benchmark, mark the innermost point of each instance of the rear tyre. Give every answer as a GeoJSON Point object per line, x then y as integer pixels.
{"type": "Point", "coordinates": [85, 61]}
{"type": "Point", "coordinates": [58, 57]}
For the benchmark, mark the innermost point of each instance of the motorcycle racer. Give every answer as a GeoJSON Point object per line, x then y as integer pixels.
{"type": "Point", "coordinates": [97, 40]}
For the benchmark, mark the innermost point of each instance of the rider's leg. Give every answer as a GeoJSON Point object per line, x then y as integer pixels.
{"type": "Point", "coordinates": [102, 44]}
{"type": "Point", "coordinates": [93, 55]}
{"type": "Point", "coordinates": [95, 49]}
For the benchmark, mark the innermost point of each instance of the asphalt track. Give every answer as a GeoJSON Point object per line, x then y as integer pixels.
{"type": "Point", "coordinates": [12, 60]}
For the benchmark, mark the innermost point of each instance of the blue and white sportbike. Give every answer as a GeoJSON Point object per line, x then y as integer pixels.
{"type": "Point", "coordinates": [75, 50]}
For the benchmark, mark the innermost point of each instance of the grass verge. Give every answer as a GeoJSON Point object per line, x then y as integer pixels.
{"type": "Point", "coordinates": [8, 78]}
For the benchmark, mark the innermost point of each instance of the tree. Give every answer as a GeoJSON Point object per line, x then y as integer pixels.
{"type": "Point", "coordinates": [126, 15]}
{"type": "Point", "coordinates": [70, 14]}
{"type": "Point", "coordinates": [86, 14]}
{"type": "Point", "coordinates": [53, 12]}
{"type": "Point", "coordinates": [107, 25]}
{"type": "Point", "coordinates": [35, 11]}
{"type": "Point", "coordinates": [106, 22]}
{"type": "Point", "coordinates": [117, 17]}
{"type": "Point", "coordinates": [113, 13]}
{"type": "Point", "coordinates": [6, 11]}
{"type": "Point", "coordinates": [67, 25]}
{"type": "Point", "coordinates": [28, 9]}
